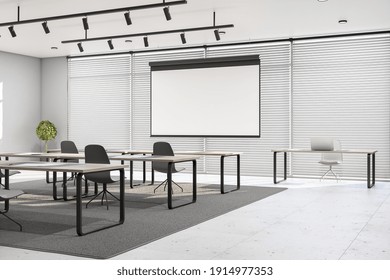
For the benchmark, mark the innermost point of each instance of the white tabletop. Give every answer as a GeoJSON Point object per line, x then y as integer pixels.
{"type": "Point", "coordinates": [59, 166]}
{"type": "Point", "coordinates": [173, 159]}
{"type": "Point", "coordinates": [346, 151]}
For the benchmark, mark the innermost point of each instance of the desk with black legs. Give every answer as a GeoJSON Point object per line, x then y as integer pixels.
{"type": "Point", "coordinates": [370, 161]}
{"type": "Point", "coordinates": [220, 154]}
{"type": "Point", "coordinates": [54, 157]}
{"type": "Point", "coordinates": [80, 169]}
{"type": "Point", "coordinates": [170, 160]}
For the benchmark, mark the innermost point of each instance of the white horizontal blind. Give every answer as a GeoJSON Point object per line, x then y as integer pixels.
{"type": "Point", "coordinates": [274, 111]}
{"type": "Point", "coordinates": [99, 101]}
{"type": "Point", "coordinates": [141, 105]}
{"type": "Point", "coordinates": [341, 89]}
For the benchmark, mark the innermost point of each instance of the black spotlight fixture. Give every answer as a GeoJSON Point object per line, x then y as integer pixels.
{"type": "Point", "coordinates": [146, 42]}
{"type": "Point", "coordinates": [127, 18]}
{"type": "Point", "coordinates": [109, 42]}
{"type": "Point", "coordinates": [167, 13]}
{"type": "Point", "coordinates": [45, 27]}
{"type": "Point", "coordinates": [12, 31]}
{"type": "Point", "coordinates": [216, 34]}
{"type": "Point", "coordinates": [80, 46]}
{"type": "Point", "coordinates": [85, 23]}
{"type": "Point", "coordinates": [183, 38]}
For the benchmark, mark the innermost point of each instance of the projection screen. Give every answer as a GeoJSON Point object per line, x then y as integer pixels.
{"type": "Point", "coordinates": [218, 97]}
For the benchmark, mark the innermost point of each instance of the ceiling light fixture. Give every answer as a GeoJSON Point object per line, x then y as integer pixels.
{"type": "Point", "coordinates": [343, 21]}
{"type": "Point", "coordinates": [127, 18]}
{"type": "Point", "coordinates": [183, 38]}
{"type": "Point", "coordinates": [12, 31]}
{"type": "Point", "coordinates": [167, 13]}
{"type": "Point", "coordinates": [110, 45]}
{"type": "Point", "coordinates": [45, 27]}
{"type": "Point", "coordinates": [216, 34]}
{"type": "Point", "coordinates": [146, 42]}
{"type": "Point", "coordinates": [80, 46]}
{"type": "Point", "coordinates": [85, 23]}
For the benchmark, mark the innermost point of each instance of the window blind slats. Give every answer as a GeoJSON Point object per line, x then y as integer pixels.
{"type": "Point", "coordinates": [341, 89]}
{"type": "Point", "coordinates": [99, 101]}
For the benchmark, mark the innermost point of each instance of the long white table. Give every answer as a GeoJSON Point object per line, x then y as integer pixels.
{"type": "Point", "coordinates": [78, 168]}
{"type": "Point", "coordinates": [370, 161]}
{"type": "Point", "coordinates": [170, 160]}
{"type": "Point", "coordinates": [221, 154]}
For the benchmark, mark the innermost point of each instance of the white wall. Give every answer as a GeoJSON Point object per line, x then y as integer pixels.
{"type": "Point", "coordinates": [54, 96]}
{"type": "Point", "coordinates": [20, 102]}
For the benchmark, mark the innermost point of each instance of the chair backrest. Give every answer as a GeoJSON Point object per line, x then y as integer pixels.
{"type": "Point", "coordinates": [69, 147]}
{"type": "Point", "coordinates": [333, 156]}
{"type": "Point", "coordinates": [162, 149]}
{"type": "Point", "coordinates": [322, 144]}
{"type": "Point", "coordinates": [96, 154]}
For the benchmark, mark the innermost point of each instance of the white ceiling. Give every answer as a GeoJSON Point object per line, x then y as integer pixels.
{"type": "Point", "coordinates": [253, 20]}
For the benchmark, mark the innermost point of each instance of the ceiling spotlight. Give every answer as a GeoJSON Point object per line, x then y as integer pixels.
{"type": "Point", "coordinates": [183, 38]}
{"type": "Point", "coordinates": [146, 43]}
{"type": "Point", "coordinates": [216, 34]}
{"type": "Point", "coordinates": [80, 47]}
{"type": "Point", "coordinates": [12, 31]}
{"type": "Point", "coordinates": [167, 13]}
{"type": "Point", "coordinates": [128, 19]}
{"type": "Point", "coordinates": [343, 21]}
{"type": "Point", "coordinates": [128, 41]}
{"type": "Point", "coordinates": [45, 27]}
{"type": "Point", "coordinates": [109, 42]}
{"type": "Point", "coordinates": [85, 23]}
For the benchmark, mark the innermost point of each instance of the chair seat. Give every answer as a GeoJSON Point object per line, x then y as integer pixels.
{"type": "Point", "coordinates": [11, 172]}
{"type": "Point", "coordinates": [9, 194]}
{"type": "Point", "coordinates": [330, 162]}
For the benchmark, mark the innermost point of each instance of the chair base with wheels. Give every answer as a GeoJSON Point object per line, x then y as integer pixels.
{"type": "Point", "coordinates": [6, 195]}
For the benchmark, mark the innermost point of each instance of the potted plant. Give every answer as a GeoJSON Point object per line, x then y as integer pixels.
{"type": "Point", "coordinates": [46, 131]}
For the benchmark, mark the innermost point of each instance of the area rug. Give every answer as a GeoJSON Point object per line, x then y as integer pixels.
{"type": "Point", "coordinates": [50, 225]}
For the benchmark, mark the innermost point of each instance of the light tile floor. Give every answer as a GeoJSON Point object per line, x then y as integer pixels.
{"type": "Point", "coordinates": [311, 220]}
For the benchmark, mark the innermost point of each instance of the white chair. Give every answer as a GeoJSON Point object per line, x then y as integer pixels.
{"type": "Point", "coordinates": [332, 159]}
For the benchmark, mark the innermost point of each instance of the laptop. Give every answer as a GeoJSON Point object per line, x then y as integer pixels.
{"type": "Point", "coordinates": [322, 144]}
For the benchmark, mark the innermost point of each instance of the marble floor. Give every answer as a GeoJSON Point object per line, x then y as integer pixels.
{"type": "Point", "coordinates": [312, 220]}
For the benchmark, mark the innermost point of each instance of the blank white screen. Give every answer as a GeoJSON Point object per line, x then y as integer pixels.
{"type": "Point", "coordinates": [216, 101]}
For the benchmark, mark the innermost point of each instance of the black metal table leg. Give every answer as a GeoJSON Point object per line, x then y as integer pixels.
{"type": "Point", "coordinates": [370, 183]}
{"type": "Point", "coordinates": [169, 183]}
{"type": "Point", "coordinates": [131, 174]}
{"type": "Point", "coordinates": [222, 175]}
{"type": "Point", "coordinates": [79, 208]}
{"type": "Point", "coordinates": [6, 186]}
{"type": "Point", "coordinates": [284, 168]}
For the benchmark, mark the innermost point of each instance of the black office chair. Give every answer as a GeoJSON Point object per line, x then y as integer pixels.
{"type": "Point", "coordinates": [97, 154]}
{"type": "Point", "coordinates": [11, 172]}
{"type": "Point", "coordinates": [6, 195]}
{"type": "Point", "coordinates": [164, 149]}
{"type": "Point", "coordinates": [69, 147]}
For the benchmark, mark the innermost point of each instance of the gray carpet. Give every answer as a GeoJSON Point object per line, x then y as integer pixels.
{"type": "Point", "coordinates": [51, 225]}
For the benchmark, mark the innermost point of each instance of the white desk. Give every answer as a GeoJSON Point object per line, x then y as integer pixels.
{"type": "Point", "coordinates": [221, 154]}
{"type": "Point", "coordinates": [370, 163]}
{"type": "Point", "coordinates": [170, 160]}
{"type": "Point", "coordinates": [80, 169]}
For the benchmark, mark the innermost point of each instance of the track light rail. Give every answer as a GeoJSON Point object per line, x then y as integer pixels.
{"type": "Point", "coordinates": [93, 13]}
{"type": "Point", "coordinates": [149, 33]}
